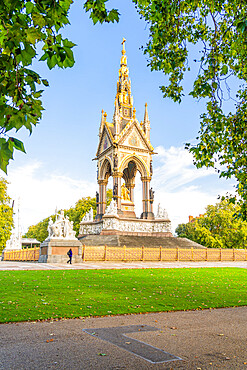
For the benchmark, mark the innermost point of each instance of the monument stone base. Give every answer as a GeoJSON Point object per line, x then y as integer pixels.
{"type": "Point", "coordinates": [55, 251]}
{"type": "Point", "coordinates": [115, 225]}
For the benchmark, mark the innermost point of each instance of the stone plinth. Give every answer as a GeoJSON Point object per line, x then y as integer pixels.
{"type": "Point", "coordinates": [128, 209]}
{"type": "Point", "coordinates": [115, 225]}
{"type": "Point", "coordinates": [55, 251]}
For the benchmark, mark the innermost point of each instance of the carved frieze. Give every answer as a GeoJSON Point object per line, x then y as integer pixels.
{"type": "Point", "coordinates": [115, 223]}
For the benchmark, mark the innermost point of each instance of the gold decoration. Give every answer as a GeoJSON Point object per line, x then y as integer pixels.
{"type": "Point", "coordinates": [134, 113]}
{"type": "Point", "coordinates": [125, 193]}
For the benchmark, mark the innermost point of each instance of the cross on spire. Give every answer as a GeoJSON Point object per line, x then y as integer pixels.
{"type": "Point", "coordinates": [123, 43]}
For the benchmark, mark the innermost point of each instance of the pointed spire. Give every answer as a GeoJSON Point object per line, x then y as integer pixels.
{"type": "Point", "coordinates": [116, 111]}
{"type": "Point", "coordinates": [146, 122]}
{"type": "Point", "coordinates": [116, 118]}
{"type": "Point", "coordinates": [146, 118]}
{"type": "Point", "coordinates": [101, 122]}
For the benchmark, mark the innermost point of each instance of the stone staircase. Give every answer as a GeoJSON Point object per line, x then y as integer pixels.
{"type": "Point", "coordinates": [138, 241]}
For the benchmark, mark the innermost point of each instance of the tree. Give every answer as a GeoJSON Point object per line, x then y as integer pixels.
{"type": "Point", "coordinates": [6, 214]}
{"type": "Point", "coordinates": [218, 227]}
{"type": "Point", "coordinates": [216, 28]}
{"type": "Point", "coordinates": [75, 214]}
{"type": "Point", "coordinates": [25, 24]}
{"type": "Point", "coordinates": [39, 231]}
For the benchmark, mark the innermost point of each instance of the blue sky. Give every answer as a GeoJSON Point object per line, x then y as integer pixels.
{"type": "Point", "coordinates": [58, 168]}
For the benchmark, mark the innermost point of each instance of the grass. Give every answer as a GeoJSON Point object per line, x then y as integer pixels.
{"type": "Point", "coordinates": [39, 295]}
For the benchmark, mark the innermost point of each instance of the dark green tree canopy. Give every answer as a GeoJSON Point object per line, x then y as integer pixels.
{"type": "Point", "coordinates": [217, 228]}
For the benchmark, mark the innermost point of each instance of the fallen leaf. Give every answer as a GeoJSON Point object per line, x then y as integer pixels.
{"type": "Point", "coordinates": [101, 354]}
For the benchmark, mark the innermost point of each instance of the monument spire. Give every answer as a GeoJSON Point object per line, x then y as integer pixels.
{"type": "Point", "coordinates": [123, 96]}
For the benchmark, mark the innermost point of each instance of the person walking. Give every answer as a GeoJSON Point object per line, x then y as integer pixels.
{"type": "Point", "coordinates": [70, 254]}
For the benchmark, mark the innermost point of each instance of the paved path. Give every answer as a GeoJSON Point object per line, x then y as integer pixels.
{"type": "Point", "coordinates": [209, 339]}
{"type": "Point", "coordinates": [7, 265]}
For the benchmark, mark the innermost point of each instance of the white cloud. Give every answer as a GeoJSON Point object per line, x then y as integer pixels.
{"type": "Point", "coordinates": [41, 194]}
{"type": "Point", "coordinates": [176, 168]}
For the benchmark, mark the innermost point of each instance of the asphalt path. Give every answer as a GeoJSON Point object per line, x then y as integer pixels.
{"type": "Point", "coordinates": [208, 339]}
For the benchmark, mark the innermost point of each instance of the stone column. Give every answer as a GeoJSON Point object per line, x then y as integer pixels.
{"type": "Point", "coordinates": [102, 199]}
{"type": "Point", "coordinates": [117, 181]}
{"type": "Point", "coordinates": [147, 208]}
{"type": "Point", "coordinates": [131, 187]}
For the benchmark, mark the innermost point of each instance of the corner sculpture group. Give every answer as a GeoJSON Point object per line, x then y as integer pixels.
{"type": "Point", "coordinates": [61, 228]}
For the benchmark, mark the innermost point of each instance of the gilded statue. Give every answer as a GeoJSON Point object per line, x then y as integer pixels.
{"type": "Point", "coordinates": [125, 193]}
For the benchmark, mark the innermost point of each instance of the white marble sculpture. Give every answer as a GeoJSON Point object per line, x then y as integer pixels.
{"type": "Point", "coordinates": [112, 208]}
{"type": "Point", "coordinates": [88, 217]}
{"type": "Point", "coordinates": [62, 228]}
{"type": "Point", "coordinates": [85, 218]}
{"type": "Point", "coordinates": [90, 213]}
{"type": "Point", "coordinates": [14, 243]}
{"type": "Point", "coordinates": [161, 213]}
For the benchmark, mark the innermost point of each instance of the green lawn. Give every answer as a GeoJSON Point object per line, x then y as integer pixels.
{"type": "Point", "coordinates": [38, 295]}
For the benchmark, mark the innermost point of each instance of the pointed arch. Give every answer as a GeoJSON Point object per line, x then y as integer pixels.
{"type": "Point", "coordinates": [105, 169]}
{"type": "Point", "coordinates": [140, 164]}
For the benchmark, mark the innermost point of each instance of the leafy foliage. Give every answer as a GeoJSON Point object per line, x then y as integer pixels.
{"type": "Point", "coordinates": [218, 29]}
{"type": "Point", "coordinates": [75, 214]}
{"type": "Point", "coordinates": [99, 13]}
{"type": "Point", "coordinates": [23, 25]}
{"type": "Point", "coordinates": [217, 228]}
{"type": "Point", "coordinates": [6, 214]}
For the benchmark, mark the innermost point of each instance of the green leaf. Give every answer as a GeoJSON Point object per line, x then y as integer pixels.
{"type": "Point", "coordinates": [51, 62]}
{"type": "Point", "coordinates": [29, 7]}
{"type": "Point", "coordinates": [68, 43]}
{"type": "Point", "coordinates": [45, 82]}
{"type": "Point", "coordinates": [17, 144]}
{"type": "Point", "coordinates": [224, 70]}
{"type": "Point", "coordinates": [44, 57]}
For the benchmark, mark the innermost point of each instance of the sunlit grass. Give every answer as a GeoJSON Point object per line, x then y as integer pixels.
{"type": "Point", "coordinates": [39, 295]}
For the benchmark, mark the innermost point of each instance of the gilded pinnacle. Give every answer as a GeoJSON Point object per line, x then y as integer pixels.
{"type": "Point", "coordinates": [134, 113]}
{"type": "Point", "coordinates": [123, 43]}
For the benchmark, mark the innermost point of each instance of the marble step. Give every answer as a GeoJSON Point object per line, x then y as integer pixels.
{"type": "Point", "coordinates": [138, 241]}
